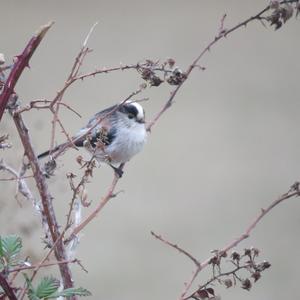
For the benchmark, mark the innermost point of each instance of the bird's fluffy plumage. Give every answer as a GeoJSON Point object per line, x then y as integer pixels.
{"type": "Point", "coordinates": [119, 136]}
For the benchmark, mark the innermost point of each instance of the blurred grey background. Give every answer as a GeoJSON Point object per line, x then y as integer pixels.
{"type": "Point", "coordinates": [228, 146]}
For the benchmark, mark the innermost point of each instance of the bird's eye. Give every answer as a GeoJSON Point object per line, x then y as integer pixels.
{"type": "Point", "coordinates": [130, 116]}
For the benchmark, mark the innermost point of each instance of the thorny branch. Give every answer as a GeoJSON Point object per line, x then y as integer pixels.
{"type": "Point", "coordinates": [7, 288]}
{"type": "Point", "coordinates": [18, 68]}
{"type": "Point", "coordinates": [46, 198]}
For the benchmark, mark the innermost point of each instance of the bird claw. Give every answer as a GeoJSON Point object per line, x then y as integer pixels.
{"type": "Point", "coordinates": [118, 171]}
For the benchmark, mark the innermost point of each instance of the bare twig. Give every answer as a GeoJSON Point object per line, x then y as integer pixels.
{"type": "Point", "coordinates": [22, 186]}
{"type": "Point", "coordinates": [48, 264]}
{"type": "Point", "coordinates": [175, 246]}
{"type": "Point", "coordinates": [45, 104]}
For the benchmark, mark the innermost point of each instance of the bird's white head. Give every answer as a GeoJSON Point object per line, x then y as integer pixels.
{"type": "Point", "coordinates": [133, 111]}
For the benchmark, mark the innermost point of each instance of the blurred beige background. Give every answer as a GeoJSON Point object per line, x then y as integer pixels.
{"type": "Point", "coordinates": [228, 146]}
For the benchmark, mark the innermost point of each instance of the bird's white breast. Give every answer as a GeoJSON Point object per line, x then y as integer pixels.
{"type": "Point", "coordinates": [128, 142]}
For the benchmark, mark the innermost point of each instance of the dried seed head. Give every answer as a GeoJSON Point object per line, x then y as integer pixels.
{"type": "Point", "coordinates": [255, 251]}
{"type": "Point", "coordinates": [297, 9]}
{"type": "Point", "coordinates": [235, 255]}
{"type": "Point", "coordinates": [246, 284]}
{"type": "Point", "coordinates": [247, 252]}
{"type": "Point", "coordinates": [223, 253]}
{"type": "Point", "coordinates": [147, 73]}
{"type": "Point", "coordinates": [176, 77]}
{"type": "Point", "coordinates": [49, 168]}
{"type": "Point", "coordinates": [70, 175]}
{"type": "Point", "coordinates": [228, 283]}
{"type": "Point", "coordinates": [215, 260]}
{"type": "Point", "coordinates": [171, 62]}
{"type": "Point", "coordinates": [263, 266]}
{"type": "Point", "coordinates": [79, 160]}
{"type": "Point", "coordinates": [287, 11]}
{"type": "Point", "coordinates": [155, 81]}
{"type": "Point", "coordinates": [256, 275]}
{"type": "Point", "coordinates": [274, 4]}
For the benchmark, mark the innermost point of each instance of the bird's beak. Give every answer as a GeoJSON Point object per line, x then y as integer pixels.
{"type": "Point", "coordinates": [141, 121]}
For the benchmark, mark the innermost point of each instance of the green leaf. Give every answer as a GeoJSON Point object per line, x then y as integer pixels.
{"type": "Point", "coordinates": [30, 290]}
{"type": "Point", "coordinates": [70, 292]}
{"type": "Point", "coordinates": [46, 287]}
{"type": "Point", "coordinates": [11, 246]}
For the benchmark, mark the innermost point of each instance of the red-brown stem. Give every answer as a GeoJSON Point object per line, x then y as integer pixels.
{"type": "Point", "coordinates": [9, 292]}
{"type": "Point", "coordinates": [46, 200]}
{"type": "Point", "coordinates": [21, 63]}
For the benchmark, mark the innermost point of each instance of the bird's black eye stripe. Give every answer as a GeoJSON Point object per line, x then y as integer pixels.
{"type": "Point", "coordinates": [130, 110]}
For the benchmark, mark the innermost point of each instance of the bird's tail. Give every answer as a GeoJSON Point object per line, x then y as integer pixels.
{"type": "Point", "coordinates": [48, 152]}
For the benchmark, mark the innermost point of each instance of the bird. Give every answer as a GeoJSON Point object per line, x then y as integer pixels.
{"type": "Point", "coordinates": [113, 135]}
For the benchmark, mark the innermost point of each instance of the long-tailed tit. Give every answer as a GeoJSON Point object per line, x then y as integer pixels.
{"type": "Point", "coordinates": [117, 134]}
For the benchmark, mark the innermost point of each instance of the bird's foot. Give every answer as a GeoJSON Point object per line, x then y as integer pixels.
{"type": "Point", "coordinates": [118, 171]}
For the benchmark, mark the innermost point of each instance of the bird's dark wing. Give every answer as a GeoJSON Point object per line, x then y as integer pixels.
{"type": "Point", "coordinates": [102, 135]}
{"type": "Point", "coordinates": [100, 115]}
